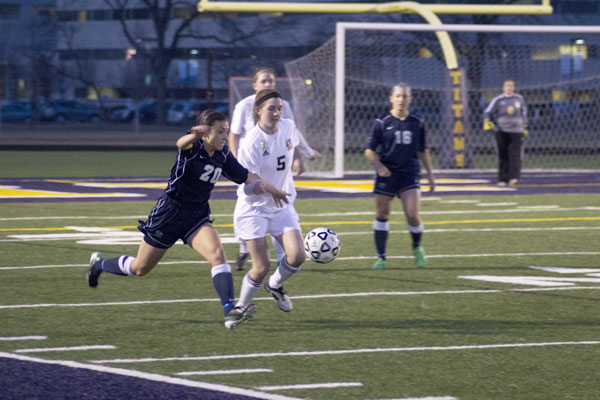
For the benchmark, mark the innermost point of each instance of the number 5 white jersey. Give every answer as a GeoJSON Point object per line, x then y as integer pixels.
{"type": "Point", "coordinates": [270, 156]}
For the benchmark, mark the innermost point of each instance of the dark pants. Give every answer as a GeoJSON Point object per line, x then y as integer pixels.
{"type": "Point", "coordinates": [509, 155]}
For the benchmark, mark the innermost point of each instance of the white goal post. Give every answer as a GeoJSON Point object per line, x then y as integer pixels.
{"type": "Point", "coordinates": [557, 69]}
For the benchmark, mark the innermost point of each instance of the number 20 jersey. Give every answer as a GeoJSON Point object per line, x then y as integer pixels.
{"type": "Point", "coordinates": [195, 173]}
{"type": "Point", "coordinates": [398, 142]}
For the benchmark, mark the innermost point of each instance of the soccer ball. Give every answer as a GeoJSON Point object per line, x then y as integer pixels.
{"type": "Point", "coordinates": [322, 245]}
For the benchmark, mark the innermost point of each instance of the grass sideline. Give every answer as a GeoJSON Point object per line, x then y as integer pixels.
{"type": "Point", "coordinates": [444, 335]}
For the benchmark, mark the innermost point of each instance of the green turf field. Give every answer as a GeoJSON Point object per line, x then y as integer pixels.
{"type": "Point", "coordinates": [473, 324]}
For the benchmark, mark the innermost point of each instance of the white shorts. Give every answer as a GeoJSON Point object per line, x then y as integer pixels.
{"type": "Point", "coordinates": [251, 223]}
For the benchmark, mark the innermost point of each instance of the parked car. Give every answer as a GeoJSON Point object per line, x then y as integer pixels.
{"type": "Point", "coordinates": [186, 112]}
{"type": "Point", "coordinates": [127, 114]}
{"type": "Point", "coordinates": [183, 111]}
{"type": "Point", "coordinates": [17, 112]}
{"type": "Point", "coordinates": [220, 106]}
{"type": "Point", "coordinates": [69, 110]}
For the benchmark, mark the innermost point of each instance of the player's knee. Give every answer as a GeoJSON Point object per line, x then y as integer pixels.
{"type": "Point", "coordinates": [259, 274]}
{"type": "Point", "coordinates": [296, 258]}
{"type": "Point", "coordinates": [413, 220]}
{"type": "Point", "coordinates": [216, 256]}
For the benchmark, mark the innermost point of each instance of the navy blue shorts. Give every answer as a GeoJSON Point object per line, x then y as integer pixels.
{"type": "Point", "coordinates": [171, 220]}
{"type": "Point", "coordinates": [396, 183]}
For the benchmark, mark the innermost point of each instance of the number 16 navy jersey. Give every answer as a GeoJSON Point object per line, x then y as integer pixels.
{"type": "Point", "coordinates": [398, 142]}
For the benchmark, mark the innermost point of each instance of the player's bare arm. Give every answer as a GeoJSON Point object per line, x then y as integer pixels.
{"type": "Point", "coordinates": [255, 185]}
{"type": "Point", "coordinates": [426, 160]}
{"type": "Point", "coordinates": [373, 158]}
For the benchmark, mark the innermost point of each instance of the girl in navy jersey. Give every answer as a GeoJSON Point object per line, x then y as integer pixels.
{"type": "Point", "coordinates": [396, 145]}
{"type": "Point", "coordinates": [182, 212]}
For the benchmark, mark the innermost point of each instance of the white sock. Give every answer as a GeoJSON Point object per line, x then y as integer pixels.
{"type": "Point", "coordinates": [279, 252]}
{"type": "Point", "coordinates": [283, 272]}
{"type": "Point", "coordinates": [125, 264]}
{"type": "Point", "coordinates": [243, 247]}
{"type": "Point", "coordinates": [248, 291]}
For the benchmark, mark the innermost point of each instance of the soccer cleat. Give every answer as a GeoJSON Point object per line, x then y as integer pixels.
{"type": "Point", "coordinates": [380, 264]}
{"type": "Point", "coordinates": [241, 261]}
{"type": "Point", "coordinates": [419, 254]}
{"type": "Point", "coordinates": [513, 182]}
{"type": "Point", "coordinates": [501, 184]}
{"type": "Point", "coordinates": [283, 300]}
{"type": "Point", "coordinates": [237, 315]}
{"type": "Point", "coordinates": [93, 273]}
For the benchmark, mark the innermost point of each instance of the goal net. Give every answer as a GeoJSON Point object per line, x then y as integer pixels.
{"type": "Point", "coordinates": [556, 69]}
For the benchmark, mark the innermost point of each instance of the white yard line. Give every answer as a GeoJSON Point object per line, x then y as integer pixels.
{"type": "Point", "coordinates": [539, 208]}
{"type": "Point", "coordinates": [343, 352]}
{"type": "Point", "coordinates": [152, 377]}
{"type": "Point", "coordinates": [305, 297]}
{"type": "Point", "coordinates": [330, 385]}
{"type": "Point", "coordinates": [225, 372]}
{"type": "Point", "coordinates": [72, 348]}
{"type": "Point", "coordinates": [570, 253]}
{"type": "Point", "coordinates": [16, 338]}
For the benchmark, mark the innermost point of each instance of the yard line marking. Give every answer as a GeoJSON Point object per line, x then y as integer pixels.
{"type": "Point", "coordinates": [334, 214]}
{"type": "Point", "coordinates": [426, 398]}
{"type": "Point", "coordinates": [73, 348]}
{"type": "Point", "coordinates": [311, 386]}
{"type": "Point", "coordinates": [313, 223]}
{"type": "Point", "coordinates": [152, 377]}
{"type": "Point", "coordinates": [302, 297]}
{"type": "Point", "coordinates": [343, 352]}
{"type": "Point", "coordinates": [225, 371]}
{"type": "Point", "coordinates": [3, 339]}
{"type": "Point", "coordinates": [569, 253]}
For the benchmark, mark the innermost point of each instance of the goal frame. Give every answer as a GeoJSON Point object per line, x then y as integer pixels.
{"type": "Point", "coordinates": [340, 43]}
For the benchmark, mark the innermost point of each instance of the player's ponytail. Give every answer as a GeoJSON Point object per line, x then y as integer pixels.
{"type": "Point", "coordinates": [261, 97]}
{"type": "Point", "coordinates": [209, 117]}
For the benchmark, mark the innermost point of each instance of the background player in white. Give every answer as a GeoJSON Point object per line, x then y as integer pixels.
{"type": "Point", "coordinates": [242, 121]}
{"type": "Point", "coordinates": [396, 144]}
{"type": "Point", "coordinates": [269, 152]}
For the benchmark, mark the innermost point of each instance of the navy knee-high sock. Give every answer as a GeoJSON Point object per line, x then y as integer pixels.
{"type": "Point", "coordinates": [113, 265]}
{"type": "Point", "coordinates": [381, 228]}
{"type": "Point", "coordinates": [223, 283]}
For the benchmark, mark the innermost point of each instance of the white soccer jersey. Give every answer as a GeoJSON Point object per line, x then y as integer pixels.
{"type": "Point", "coordinates": [270, 156]}
{"type": "Point", "coordinates": [242, 120]}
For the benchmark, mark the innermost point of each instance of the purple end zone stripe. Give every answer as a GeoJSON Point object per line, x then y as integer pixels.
{"type": "Point", "coordinates": [30, 380]}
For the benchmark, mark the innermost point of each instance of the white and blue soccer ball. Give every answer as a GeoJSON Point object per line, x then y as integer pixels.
{"type": "Point", "coordinates": [322, 245]}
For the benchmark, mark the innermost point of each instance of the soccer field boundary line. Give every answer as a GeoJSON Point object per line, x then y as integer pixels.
{"type": "Point", "coordinates": [151, 377]}
{"type": "Point", "coordinates": [349, 213]}
{"type": "Point", "coordinates": [568, 253]}
{"type": "Point", "coordinates": [518, 209]}
{"type": "Point", "coordinates": [327, 223]}
{"type": "Point", "coordinates": [342, 352]}
{"type": "Point", "coordinates": [301, 297]}
{"type": "Point", "coordinates": [68, 236]}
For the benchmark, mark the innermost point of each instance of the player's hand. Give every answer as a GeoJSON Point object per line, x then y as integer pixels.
{"type": "Point", "coordinates": [525, 132]}
{"type": "Point", "coordinates": [383, 171]}
{"type": "Point", "coordinates": [298, 166]}
{"type": "Point", "coordinates": [200, 130]}
{"type": "Point", "coordinates": [488, 125]}
{"type": "Point", "coordinates": [280, 197]}
{"type": "Point", "coordinates": [316, 155]}
{"type": "Point", "coordinates": [432, 184]}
